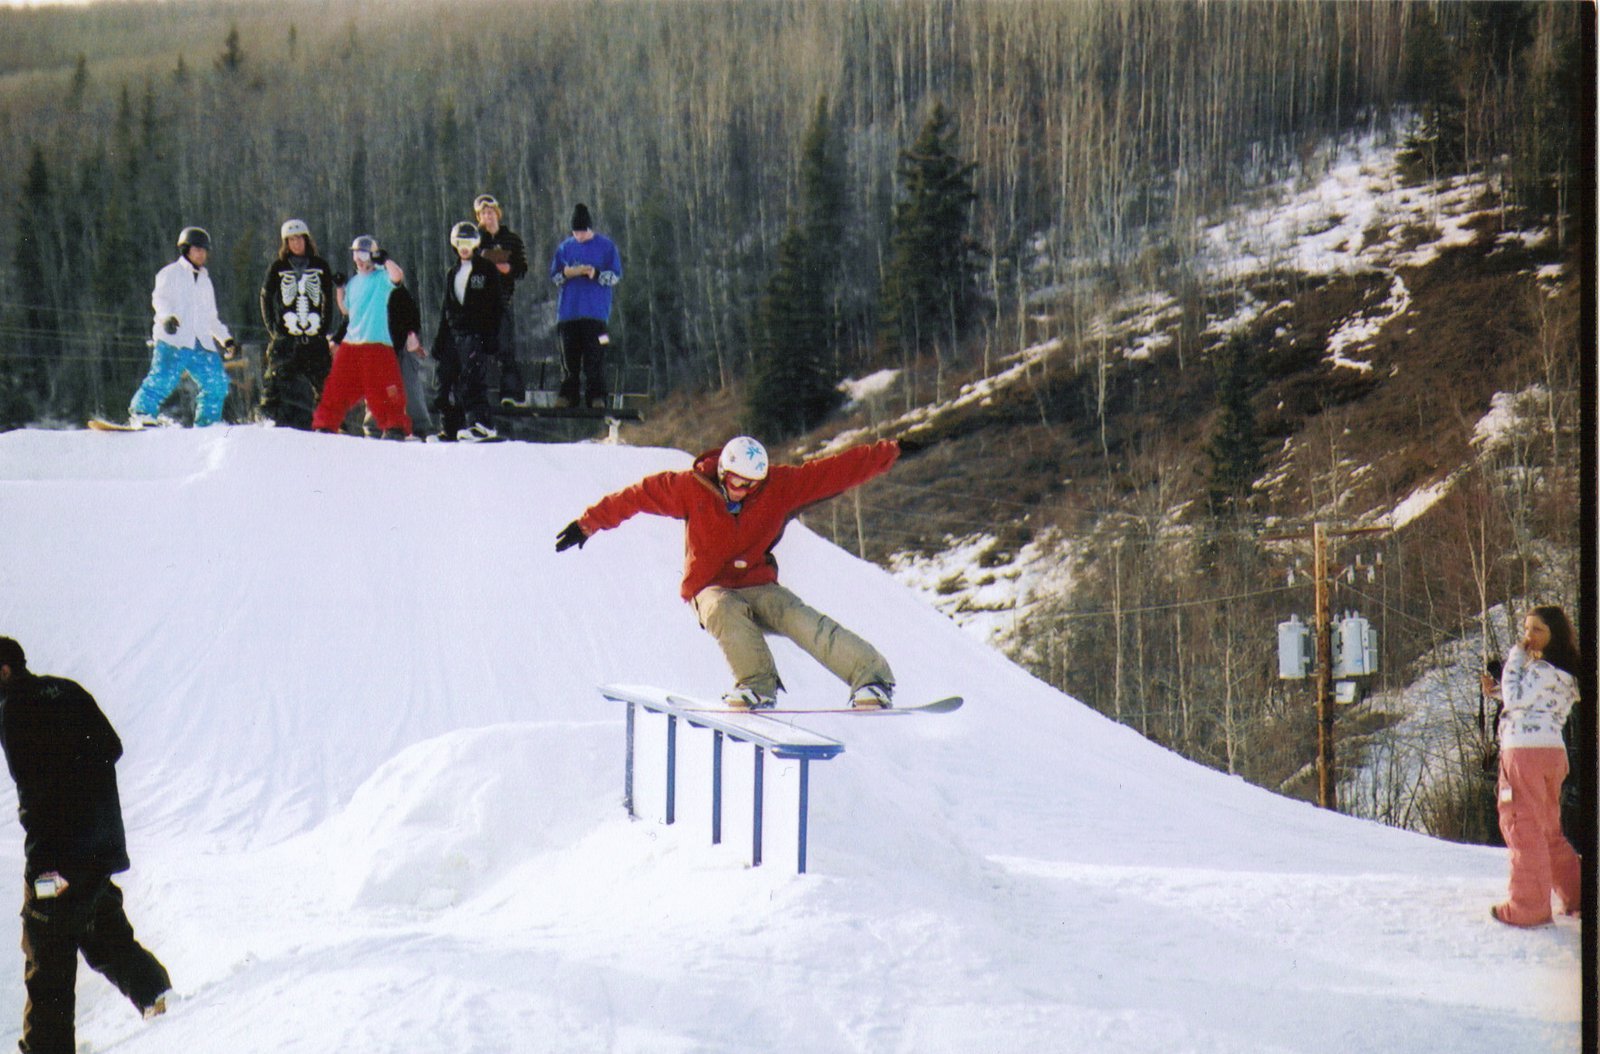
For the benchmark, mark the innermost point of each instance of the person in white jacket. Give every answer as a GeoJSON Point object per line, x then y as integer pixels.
{"type": "Point", "coordinates": [188, 336]}
{"type": "Point", "coordinates": [1538, 688]}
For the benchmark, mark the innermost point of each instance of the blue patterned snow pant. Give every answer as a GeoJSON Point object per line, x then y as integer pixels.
{"type": "Point", "coordinates": [167, 367]}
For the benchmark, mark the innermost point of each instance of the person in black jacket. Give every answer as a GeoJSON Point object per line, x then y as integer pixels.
{"type": "Point", "coordinates": [470, 318]}
{"type": "Point", "coordinates": [62, 753]}
{"type": "Point", "coordinates": [298, 309]}
{"type": "Point", "coordinates": [503, 248]}
{"type": "Point", "coordinates": [416, 368]}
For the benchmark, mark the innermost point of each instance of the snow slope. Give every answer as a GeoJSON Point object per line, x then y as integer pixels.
{"type": "Point", "coordinates": [374, 799]}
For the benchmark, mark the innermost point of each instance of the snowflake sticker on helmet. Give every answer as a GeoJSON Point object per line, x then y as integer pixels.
{"type": "Point", "coordinates": [743, 456]}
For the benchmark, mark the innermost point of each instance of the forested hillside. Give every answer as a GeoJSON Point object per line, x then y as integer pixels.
{"type": "Point", "coordinates": [926, 191]}
{"type": "Point", "coordinates": [1097, 134]}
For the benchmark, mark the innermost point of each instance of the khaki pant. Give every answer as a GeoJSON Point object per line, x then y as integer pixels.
{"type": "Point", "coordinates": [739, 619]}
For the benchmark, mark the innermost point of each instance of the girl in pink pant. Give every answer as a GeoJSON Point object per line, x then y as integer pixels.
{"type": "Point", "coordinates": [1539, 688]}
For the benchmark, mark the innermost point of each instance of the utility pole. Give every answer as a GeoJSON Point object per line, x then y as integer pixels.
{"type": "Point", "coordinates": [1322, 623]}
{"type": "Point", "coordinates": [1327, 785]}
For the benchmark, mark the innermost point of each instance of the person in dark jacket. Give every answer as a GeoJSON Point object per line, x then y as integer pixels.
{"type": "Point", "coordinates": [416, 368]}
{"type": "Point", "coordinates": [298, 309]}
{"type": "Point", "coordinates": [470, 317]}
{"type": "Point", "coordinates": [503, 248]}
{"type": "Point", "coordinates": [62, 753]}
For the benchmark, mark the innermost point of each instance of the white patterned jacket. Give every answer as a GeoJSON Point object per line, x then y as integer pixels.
{"type": "Point", "coordinates": [1538, 697]}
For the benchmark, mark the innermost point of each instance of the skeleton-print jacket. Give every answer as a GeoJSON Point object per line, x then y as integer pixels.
{"type": "Point", "coordinates": [297, 299]}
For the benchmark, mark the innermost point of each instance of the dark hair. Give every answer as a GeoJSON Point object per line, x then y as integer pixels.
{"type": "Point", "coordinates": [1562, 653]}
{"type": "Point", "coordinates": [311, 247]}
{"type": "Point", "coordinates": [11, 654]}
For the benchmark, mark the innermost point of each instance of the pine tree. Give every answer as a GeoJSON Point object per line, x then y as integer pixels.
{"type": "Point", "coordinates": [794, 386]}
{"type": "Point", "coordinates": [930, 289]}
{"type": "Point", "coordinates": [1438, 147]}
{"type": "Point", "coordinates": [1234, 447]}
{"type": "Point", "coordinates": [23, 396]}
{"type": "Point", "coordinates": [796, 374]}
{"type": "Point", "coordinates": [232, 58]}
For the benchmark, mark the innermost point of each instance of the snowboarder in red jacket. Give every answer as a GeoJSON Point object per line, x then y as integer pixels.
{"type": "Point", "coordinates": [735, 509]}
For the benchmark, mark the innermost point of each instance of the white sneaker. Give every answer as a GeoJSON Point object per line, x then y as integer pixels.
{"type": "Point", "coordinates": [477, 434]}
{"type": "Point", "coordinates": [872, 697]}
{"type": "Point", "coordinates": [748, 699]}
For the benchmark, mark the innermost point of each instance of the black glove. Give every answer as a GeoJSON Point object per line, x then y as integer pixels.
{"type": "Point", "coordinates": [170, 324]}
{"type": "Point", "coordinates": [339, 279]}
{"type": "Point", "coordinates": [379, 257]}
{"type": "Point", "coordinates": [230, 349]}
{"type": "Point", "coordinates": [570, 535]}
{"type": "Point", "coordinates": [912, 447]}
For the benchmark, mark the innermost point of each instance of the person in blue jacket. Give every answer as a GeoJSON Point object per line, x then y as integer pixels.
{"type": "Point", "coordinates": [585, 267]}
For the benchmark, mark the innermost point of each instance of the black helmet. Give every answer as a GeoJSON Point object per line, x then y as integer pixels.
{"type": "Point", "coordinates": [193, 238]}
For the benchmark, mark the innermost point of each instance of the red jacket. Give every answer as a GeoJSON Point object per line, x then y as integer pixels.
{"type": "Point", "coordinates": [735, 550]}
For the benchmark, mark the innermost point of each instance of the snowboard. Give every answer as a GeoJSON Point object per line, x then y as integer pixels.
{"type": "Point", "coordinates": [100, 424]}
{"type": "Point", "coordinates": [938, 706]}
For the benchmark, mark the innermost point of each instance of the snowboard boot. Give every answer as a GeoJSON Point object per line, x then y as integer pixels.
{"type": "Point", "coordinates": [748, 699]}
{"type": "Point", "coordinates": [159, 1007]}
{"type": "Point", "coordinates": [478, 433]}
{"type": "Point", "coordinates": [872, 697]}
{"type": "Point", "coordinates": [139, 420]}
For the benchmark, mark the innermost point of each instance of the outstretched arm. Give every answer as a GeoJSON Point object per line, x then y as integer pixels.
{"type": "Point", "coordinates": [826, 477]}
{"type": "Point", "coordinates": [662, 494]}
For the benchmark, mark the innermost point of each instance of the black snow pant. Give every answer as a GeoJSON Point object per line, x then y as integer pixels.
{"type": "Point", "coordinates": [297, 368]}
{"type": "Point", "coordinates": [463, 383]}
{"type": "Point", "coordinates": [88, 918]}
{"type": "Point", "coordinates": [583, 353]}
{"type": "Point", "coordinates": [512, 384]}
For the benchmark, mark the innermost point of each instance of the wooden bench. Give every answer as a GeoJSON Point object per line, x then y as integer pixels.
{"type": "Point", "coordinates": [763, 733]}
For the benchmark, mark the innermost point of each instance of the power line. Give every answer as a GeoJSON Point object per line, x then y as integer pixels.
{"type": "Point", "coordinates": [1203, 601]}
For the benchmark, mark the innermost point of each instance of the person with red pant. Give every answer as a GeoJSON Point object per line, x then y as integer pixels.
{"type": "Point", "coordinates": [735, 510]}
{"type": "Point", "coordinates": [364, 365]}
{"type": "Point", "coordinates": [1539, 688]}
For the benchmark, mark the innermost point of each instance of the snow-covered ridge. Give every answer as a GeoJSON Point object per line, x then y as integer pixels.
{"type": "Point", "coordinates": [373, 797]}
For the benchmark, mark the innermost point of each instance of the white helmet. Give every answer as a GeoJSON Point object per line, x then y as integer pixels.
{"type": "Point", "coordinates": [465, 235]}
{"type": "Point", "coordinates": [745, 457]}
{"type": "Point", "coordinates": [291, 228]}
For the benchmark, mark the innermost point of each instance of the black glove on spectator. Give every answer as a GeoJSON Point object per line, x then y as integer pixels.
{"type": "Point", "coordinates": [570, 535]}
{"type": "Point", "coordinates": [170, 324]}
